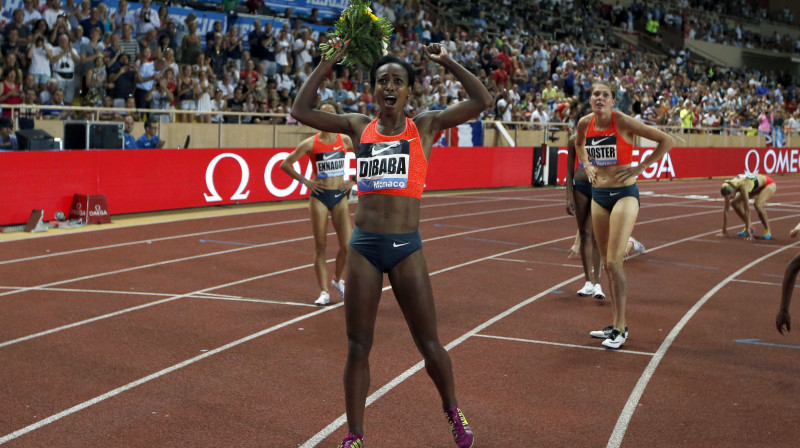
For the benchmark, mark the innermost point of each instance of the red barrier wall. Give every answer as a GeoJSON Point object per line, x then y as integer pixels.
{"type": "Point", "coordinates": [148, 180]}
{"type": "Point", "coordinates": [685, 163]}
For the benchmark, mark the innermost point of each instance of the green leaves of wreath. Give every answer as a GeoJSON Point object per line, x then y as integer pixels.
{"type": "Point", "coordinates": [368, 35]}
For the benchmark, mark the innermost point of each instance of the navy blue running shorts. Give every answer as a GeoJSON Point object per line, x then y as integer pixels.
{"type": "Point", "coordinates": [329, 197]}
{"type": "Point", "coordinates": [607, 197]}
{"type": "Point", "coordinates": [385, 250]}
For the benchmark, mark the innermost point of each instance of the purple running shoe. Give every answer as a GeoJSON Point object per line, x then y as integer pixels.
{"type": "Point", "coordinates": [462, 433]}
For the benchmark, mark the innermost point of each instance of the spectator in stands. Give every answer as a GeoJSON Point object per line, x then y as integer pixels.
{"type": "Point", "coordinates": [191, 46]}
{"type": "Point", "coordinates": [215, 55]}
{"type": "Point", "coordinates": [150, 140]}
{"type": "Point", "coordinates": [128, 140]}
{"type": "Point", "coordinates": [540, 116]}
{"type": "Point", "coordinates": [235, 104]}
{"type": "Point", "coordinates": [187, 93]}
{"type": "Point", "coordinates": [63, 61]}
{"type": "Point", "coordinates": [148, 73]}
{"type": "Point", "coordinates": [232, 46]}
{"type": "Point", "coordinates": [127, 44]}
{"type": "Point", "coordinates": [215, 29]}
{"type": "Point", "coordinates": [57, 99]}
{"type": "Point", "coordinates": [283, 45]}
{"type": "Point", "coordinates": [96, 82]}
{"type": "Point", "coordinates": [31, 12]}
{"type": "Point", "coordinates": [22, 35]}
{"type": "Point", "coordinates": [93, 22]}
{"type": "Point", "coordinates": [88, 52]}
{"type": "Point", "coordinates": [123, 82]}
{"type": "Point", "coordinates": [121, 17]}
{"type": "Point", "coordinates": [146, 19]}
{"type": "Point", "coordinates": [8, 141]}
{"type": "Point", "coordinates": [52, 14]}
{"type": "Point", "coordinates": [204, 92]}
{"type": "Point", "coordinates": [39, 56]}
{"type": "Point", "coordinates": [10, 90]}
{"type": "Point", "coordinates": [302, 49]}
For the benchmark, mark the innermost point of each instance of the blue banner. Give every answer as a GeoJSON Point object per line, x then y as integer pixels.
{"type": "Point", "coordinates": [327, 9]}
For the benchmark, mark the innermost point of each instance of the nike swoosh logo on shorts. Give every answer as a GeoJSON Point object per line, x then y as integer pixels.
{"type": "Point", "coordinates": [613, 194]}
{"type": "Point", "coordinates": [329, 155]}
{"type": "Point", "coordinates": [337, 195]}
{"type": "Point", "coordinates": [400, 245]}
{"type": "Point", "coordinates": [375, 152]}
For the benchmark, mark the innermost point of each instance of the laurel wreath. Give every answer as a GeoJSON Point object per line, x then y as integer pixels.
{"type": "Point", "coordinates": [368, 35]}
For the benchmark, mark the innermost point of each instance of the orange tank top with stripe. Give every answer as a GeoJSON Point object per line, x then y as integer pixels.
{"type": "Point", "coordinates": [328, 159]}
{"type": "Point", "coordinates": [391, 164]}
{"type": "Point", "coordinates": [608, 147]}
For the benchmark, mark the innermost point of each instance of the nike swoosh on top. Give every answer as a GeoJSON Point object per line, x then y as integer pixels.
{"type": "Point", "coordinates": [336, 148]}
{"type": "Point", "coordinates": [375, 152]}
{"type": "Point", "coordinates": [329, 155]}
{"type": "Point", "coordinates": [598, 141]}
{"type": "Point", "coordinates": [400, 245]}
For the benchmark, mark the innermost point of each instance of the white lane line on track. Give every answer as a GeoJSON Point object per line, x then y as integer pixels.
{"type": "Point", "coordinates": [192, 360]}
{"type": "Point", "coordinates": [333, 426]}
{"type": "Point", "coordinates": [633, 400]}
{"type": "Point", "coordinates": [233, 229]}
{"type": "Point", "coordinates": [170, 369]}
{"type": "Point", "coordinates": [559, 344]}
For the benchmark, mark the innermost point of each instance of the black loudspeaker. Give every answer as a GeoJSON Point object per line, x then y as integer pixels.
{"type": "Point", "coordinates": [36, 139]}
{"type": "Point", "coordinates": [93, 135]}
{"type": "Point", "coordinates": [538, 167]}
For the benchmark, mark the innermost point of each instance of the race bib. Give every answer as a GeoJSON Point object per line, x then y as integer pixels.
{"type": "Point", "coordinates": [602, 150]}
{"type": "Point", "coordinates": [330, 164]}
{"type": "Point", "coordinates": [383, 165]}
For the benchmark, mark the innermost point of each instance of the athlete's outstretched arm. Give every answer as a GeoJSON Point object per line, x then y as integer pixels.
{"type": "Point", "coordinates": [303, 105]}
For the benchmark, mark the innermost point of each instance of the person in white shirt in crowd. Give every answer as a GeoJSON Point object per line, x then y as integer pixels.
{"type": "Point", "coordinates": [539, 116]}
{"type": "Point", "coordinates": [52, 13]}
{"type": "Point", "coordinates": [148, 72]}
{"type": "Point", "coordinates": [302, 49]}
{"type": "Point", "coordinates": [32, 14]}
{"type": "Point", "coordinates": [121, 17]}
{"type": "Point", "coordinates": [62, 60]}
{"type": "Point", "coordinates": [226, 86]}
{"type": "Point", "coordinates": [146, 18]}
{"type": "Point", "coordinates": [39, 53]}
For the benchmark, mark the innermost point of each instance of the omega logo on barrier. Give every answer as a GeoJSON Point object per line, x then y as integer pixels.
{"type": "Point", "coordinates": [273, 164]}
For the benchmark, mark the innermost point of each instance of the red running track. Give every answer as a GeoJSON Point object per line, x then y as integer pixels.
{"type": "Point", "coordinates": [200, 333]}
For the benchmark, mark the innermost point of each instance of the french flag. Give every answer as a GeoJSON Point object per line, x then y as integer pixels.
{"type": "Point", "coordinates": [467, 134]}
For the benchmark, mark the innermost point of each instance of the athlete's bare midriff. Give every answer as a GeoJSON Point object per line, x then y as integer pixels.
{"type": "Point", "coordinates": [605, 177]}
{"type": "Point", "coordinates": [383, 213]}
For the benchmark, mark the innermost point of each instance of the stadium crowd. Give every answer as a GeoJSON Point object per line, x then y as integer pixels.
{"type": "Point", "coordinates": [58, 53]}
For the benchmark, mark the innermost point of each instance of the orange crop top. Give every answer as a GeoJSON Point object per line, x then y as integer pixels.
{"type": "Point", "coordinates": [608, 147]}
{"type": "Point", "coordinates": [391, 164]}
{"type": "Point", "coordinates": [328, 159]}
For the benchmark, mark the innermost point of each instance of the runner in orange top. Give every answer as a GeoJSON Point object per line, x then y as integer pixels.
{"type": "Point", "coordinates": [392, 159]}
{"type": "Point", "coordinates": [329, 192]}
{"type": "Point", "coordinates": [604, 144]}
